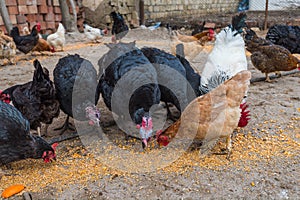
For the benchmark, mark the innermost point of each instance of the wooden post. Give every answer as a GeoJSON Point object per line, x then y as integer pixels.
{"type": "Point", "coordinates": [266, 15]}
{"type": "Point", "coordinates": [142, 12]}
{"type": "Point", "coordinates": [5, 16]}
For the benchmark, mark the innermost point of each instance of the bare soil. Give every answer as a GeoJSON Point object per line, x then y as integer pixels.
{"type": "Point", "coordinates": [264, 163]}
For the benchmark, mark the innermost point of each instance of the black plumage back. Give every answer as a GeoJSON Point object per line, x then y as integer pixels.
{"type": "Point", "coordinates": [71, 70]}
{"type": "Point", "coordinates": [192, 77]}
{"type": "Point", "coordinates": [171, 76]}
{"type": "Point", "coordinates": [125, 62]}
{"type": "Point", "coordinates": [238, 22]}
{"type": "Point", "coordinates": [286, 36]}
{"type": "Point", "coordinates": [16, 142]}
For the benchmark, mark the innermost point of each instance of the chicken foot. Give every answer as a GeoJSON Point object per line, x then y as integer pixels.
{"type": "Point", "coordinates": [66, 126]}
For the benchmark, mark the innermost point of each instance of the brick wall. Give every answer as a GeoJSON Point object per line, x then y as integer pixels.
{"type": "Point", "coordinates": [26, 12]}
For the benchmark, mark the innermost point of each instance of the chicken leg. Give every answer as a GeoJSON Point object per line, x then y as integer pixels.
{"type": "Point", "coordinates": [66, 126]}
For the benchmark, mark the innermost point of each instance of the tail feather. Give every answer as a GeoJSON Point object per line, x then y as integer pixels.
{"type": "Point", "coordinates": [238, 22]}
{"type": "Point", "coordinates": [218, 77]}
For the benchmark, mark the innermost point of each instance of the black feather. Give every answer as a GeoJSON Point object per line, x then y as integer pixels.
{"type": "Point", "coordinates": [16, 142]}
{"type": "Point", "coordinates": [238, 22]}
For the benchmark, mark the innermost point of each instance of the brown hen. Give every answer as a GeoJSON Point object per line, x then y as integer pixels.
{"type": "Point", "coordinates": [211, 116]}
{"type": "Point", "coordinates": [268, 57]}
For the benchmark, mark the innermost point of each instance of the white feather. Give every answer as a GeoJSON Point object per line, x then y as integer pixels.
{"type": "Point", "coordinates": [228, 55]}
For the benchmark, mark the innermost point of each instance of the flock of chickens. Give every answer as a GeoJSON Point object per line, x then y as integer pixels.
{"type": "Point", "coordinates": [133, 81]}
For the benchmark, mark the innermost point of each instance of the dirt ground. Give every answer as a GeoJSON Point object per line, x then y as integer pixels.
{"type": "Point", "coordinates": [264, 163]}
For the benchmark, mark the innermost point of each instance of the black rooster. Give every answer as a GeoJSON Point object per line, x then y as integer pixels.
{"type": "Point", "coordinates": [119, 27]}
{"type": "Point", "coordinates": [36, 99]}
{"type": "Point", "coordinates": [75, 80]}
{"type": "Point", "coordinates": [129, 85]}
{"type": "Point", "coordinates": [27, 42]}
{"type": "Point", "coordinates": [286, 36]}
{"type": "Point", "coordinates": [171, 77]}
{"type": "Point", "coordinates": [16, 142]}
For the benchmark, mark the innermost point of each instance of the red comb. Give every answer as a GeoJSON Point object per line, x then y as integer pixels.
{"type": "Point", "coordinates": [244, 115]}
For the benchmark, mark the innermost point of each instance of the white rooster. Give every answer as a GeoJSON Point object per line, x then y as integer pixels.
{"type": "Point", "coordinates": [228, 56]}
{"type": "Point", "coordinates": [57, 39]}
{"type": "Point", "coordinates": [94, 34]}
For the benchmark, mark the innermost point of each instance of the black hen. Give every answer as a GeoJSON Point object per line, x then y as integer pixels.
{"type": "Point", "coordinates": [27, 42]}
{"type": "Point", "coordinates": [129, 84]}
{"type": "Point", "coordinates": [171, 77]}
{"type": "Point", "coordinates": [36, 99]}
{"type": "Point", "coordinates": [75, 80]}
{"type": "Point", "coordinates": [119, 27]}
{"type": "Point", "coordinates": [16, 142]}
{"type": "Point", "coordinates": [286, 36]}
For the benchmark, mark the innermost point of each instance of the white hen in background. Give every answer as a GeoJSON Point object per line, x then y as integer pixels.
{"type": "Point", "coordinates": [57, 39]}
{"type": "Point", "coordinates": [94, 34]}
{"type": "Point", "coordinates": [228, 56]}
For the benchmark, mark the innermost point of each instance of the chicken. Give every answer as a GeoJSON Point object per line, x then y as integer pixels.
{"type": "Point", "coordinates": [286, 36]}
{"type": "Point", "coordinates": [129, 86]}
{"type": "Point", "coordinates": [43, 45]}
{"type": "Point", "coordinates": [8, 48]}
{"type": "Point", "coordinates": [228, 54]}
{"type": "Point", "coordinates": [36, 99]}
{"type": "Point", "coordinates": [267, 57]}
{"type": "Point", "coordinates": [197, 28]}
{"type": "Point", "coordinates": [94, 34]}
{"type": "Point", "coordinates": [119, 27]}
{"type": "Point", "coordinates": [171, 76]}
{"type": "Point", "coordinates": [16, 142]}
{"type": "Point", "coordinates": [75, 80]}
{"type": "Point", "coordinates": [227, 58]}
{"type": "Point", "coordinates": [191, 49]}
{"type": "Point", "coordinates": [204, 36]}
{"type": "Point", "coordinates": [27, 42]}
{"type": "Point", "coordinates": [57, 39]}
{"type": "Point", "coordinates": [211, 116]}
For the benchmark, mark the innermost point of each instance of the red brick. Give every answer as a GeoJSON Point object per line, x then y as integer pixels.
{"type": "Point", "coordinates": [32, 9]}
{"type": "Point", "coordinates": [13, 10]}
{"type": "Point", "coordinates": [31, 17]}
{"type": "Point", "coordinates": [22, 2]}
{"type": "Point", "coordinates": [13, 19]}
{"type": "Point", "coordinates": [39, 18]}
{"type": "Point", "coordinates": [21, 19]}
{"type": "Point", "coordinates": [11, 2]}
{"type": "Point", "coordinates": [43, 25]}
{"type": "Point", "coordinates": [41, 2]}
{"type": "Point", "coordinates": [50, 25]}
{"type": "Point", "coordinates": [23, 9]}
{"type": "Point", "coordinates": [50, 9]}
{"type": "Point", "coordinates": [49, 2]}
{"type": "Point", "coordinates": [57, 10]}
{"type": "Point", "coordinates": [43, 9]}
{"type": "Point", "coordinates": [58, 18]}
{"type": "Point", "coordinates": [31, 2]}
{"type": "Point", "coordinates": [55, 2]}
{"type": "Point", "coordinates": [49, 17]}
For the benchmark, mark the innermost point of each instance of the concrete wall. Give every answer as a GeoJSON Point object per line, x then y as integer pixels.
{"type": "Point", "coordinates": [97, 11]}
{"type": "Point", "coordinates": [164, 8]}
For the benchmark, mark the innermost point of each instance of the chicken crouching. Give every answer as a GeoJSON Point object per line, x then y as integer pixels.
{"type": "Point", "coordinates": [212, 116]}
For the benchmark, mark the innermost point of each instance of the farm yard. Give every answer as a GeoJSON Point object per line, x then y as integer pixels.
{"type": "Point", "coordinates": [265, 155]}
